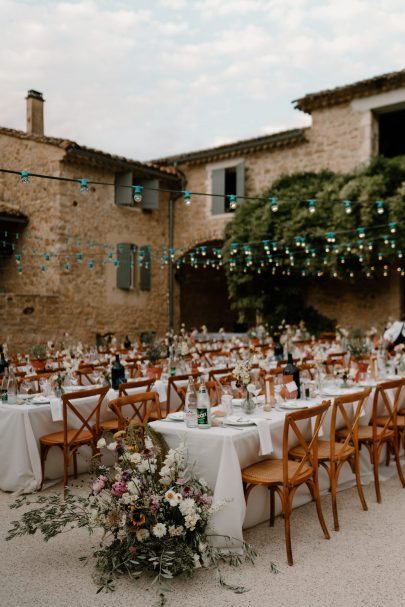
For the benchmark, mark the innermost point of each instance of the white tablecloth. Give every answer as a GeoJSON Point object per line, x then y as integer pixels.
{"type": "Point", "coordinates": [219, 455]}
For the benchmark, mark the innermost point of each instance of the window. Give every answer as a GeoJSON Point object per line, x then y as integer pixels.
{"type": "Point", "coordinates": [126, 266]}
{"type": "Point", "coordinates": [226, 182]}
{"type": "Point", "coordinates": [145, 268]}
{"type": "Point", "coordinates": [392, 133]}
{"type": "Point", "coordinates": [124, 194]}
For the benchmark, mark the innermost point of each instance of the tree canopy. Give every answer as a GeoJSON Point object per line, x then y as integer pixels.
{"type": "Point", "coordinates": [354, 232]}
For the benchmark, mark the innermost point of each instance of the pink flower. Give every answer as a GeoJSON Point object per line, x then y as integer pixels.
{"type": "Point", "coordinates": [119, 488]}
{"type": "Point", "coordinates": [99, 484]}
{"type": "Point", "coordinates": [180, 481]}
{"type": "Point", "coordinates": [132, 549]}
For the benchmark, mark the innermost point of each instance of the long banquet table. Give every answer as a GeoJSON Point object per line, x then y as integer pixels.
{"type": "Point", "coordinates": [219, 454]}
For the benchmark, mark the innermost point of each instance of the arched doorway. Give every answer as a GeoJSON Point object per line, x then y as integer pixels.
{"type": "Point", "coordinates": [204, 296]}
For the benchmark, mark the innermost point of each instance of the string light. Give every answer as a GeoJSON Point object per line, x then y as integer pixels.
{"type": "Point", "coordinates": [187, 198]}
{"type": "Point", "coordinates": [380, 207]}
{"type": "Point", "coordinates": [347, 205]}
{"type": "Point", "coordinates": [24, 177]}
{"type": "Point", "coordinates": [393, 227]}
{"type": "Point", "coordinates": [274, 204]}
{"type": "Point", "coordinates": [312, 205]}
{"type": "Point", "coordinates": [137, 193]}
{"type": "Point", "coordinates": [84, 186]}
{"type": "Point", "coordinates": [232, 198]}
{"type": "Point", "coordinates": [361, 232]}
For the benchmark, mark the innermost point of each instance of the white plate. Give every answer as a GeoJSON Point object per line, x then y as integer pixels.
{"type": "Point", "coordinates": [178, 416]}
{"type": "Point", "coordinates": [293, 406]}
{"type": "Point", "coordinates": [238, 420]}
{"type": "Point", "coordinates": [41, 400]}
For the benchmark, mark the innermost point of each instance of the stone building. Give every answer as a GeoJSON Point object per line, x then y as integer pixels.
{"type": "Point", "coordinates": [82, 262]}
{"type": "Point", "coordinates": [350, 124]}
{"type": "Point", "coordinates": [78, 262]}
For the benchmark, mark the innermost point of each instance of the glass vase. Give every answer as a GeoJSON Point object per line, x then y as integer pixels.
{"type": "Point", "coordinates": [248, 405]}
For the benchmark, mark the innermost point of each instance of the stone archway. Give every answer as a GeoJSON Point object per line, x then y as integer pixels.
{"type": "Point", "coordinates": [203, 295]}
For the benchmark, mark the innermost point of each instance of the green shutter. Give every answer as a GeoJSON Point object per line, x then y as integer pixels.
{"type": "Point", "coordinates": [150, 198]}
{"type": "Point", "coordinates": [218, 187]}
{"type": "Point", "coordinates": [145, 268]}
{"type": "Point", "coordinates": [124, 195]}
{"type": "Point", "coordinates": [240, 179]}
{"type": "Point", "coordinates": [124, 269]}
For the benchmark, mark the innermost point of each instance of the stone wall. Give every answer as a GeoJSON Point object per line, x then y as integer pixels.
{"type": "Point", "coordinates": [39, 306]}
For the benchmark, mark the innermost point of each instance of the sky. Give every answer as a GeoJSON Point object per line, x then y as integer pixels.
{"type": "Point", "coordinates": [147, 79]}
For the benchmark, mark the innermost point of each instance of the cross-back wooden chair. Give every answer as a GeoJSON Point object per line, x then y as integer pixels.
{"type": "Point", "coordinates": [84, 376]}
{"type": "Point", "coordinates": [216, 374]}
{"type": "Point", "coordinates": [174, 384]}
{"type": "Point", "coordinates": [382, 429]}
{"type": "Point", "coordinates": [111, 425]}
{"type": "Point", "coordinates": [307, 370]}
{"type": "Point", "coordinates": [284, 476]}
{"type": "Point", "coordinates": [34, 380]}
{"type": "Point", "coordinates": [333, 454]}
{"type": "Point", "coordinates": [133, 370]}
{"type": "Point", "coordinates": [136, 409]}
{"type": "Point", "coordinates": [85, 431]}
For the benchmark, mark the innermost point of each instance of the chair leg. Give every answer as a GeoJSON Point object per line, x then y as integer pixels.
{"type": "Point", "coordinates": [398, 463]}
{"type": "Point", "coordinates": [272, 506]}
{"type": "Point", "coordinates": [375, 462]}
{"type": "Point", "coordinates": [333, 490]}
{"type": "Point", "coordinates": [287, 528]}
{"type": "Point", "coordinates": [314, 489]}
{"type": "Point", "coordinates": [358, 481]}
{"type": "Point", "coordinates": [44, 454]}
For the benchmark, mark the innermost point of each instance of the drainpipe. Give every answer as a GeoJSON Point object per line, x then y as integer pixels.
{"type": "Point", "coordinates": [171, 220]}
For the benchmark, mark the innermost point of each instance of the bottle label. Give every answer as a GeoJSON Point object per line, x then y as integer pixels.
{"type": "Point", "coordinates": [4, 396]}
{"type": "Point", "coordinates": [202, 417]}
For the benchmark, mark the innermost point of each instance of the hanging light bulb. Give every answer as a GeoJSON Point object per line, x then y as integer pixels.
{"type": "Point", "coordinates": [233, 201]}
{"type": "Point", "coordinates": [187, 198]}
{"type": "Point", "coordinates": [347, 205]}
{"type": "Point", "coordinates": [393, 227]}
{"type": "Point", "coordinates": [380, 207]}
{"type": "Point", "coordinates": [137, 193]}
{"type": "Point", "coordinates": [361, 232]}
{"type": "Point", "coordinates": [312, 205]}
{"type": "Point", "coordinates": [84, 186]}
{"type": "Point", "coordinates": [25, 177]}
{"type": "Point", "coordinates": [274, 204]}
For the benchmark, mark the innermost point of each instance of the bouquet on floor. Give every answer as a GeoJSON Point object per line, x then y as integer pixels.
{"type": "Point", "coordinates": [153, 510]}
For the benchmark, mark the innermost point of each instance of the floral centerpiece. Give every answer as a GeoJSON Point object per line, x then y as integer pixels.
{"type": "Point", "coordinates": [242, 373]}
{"type": "Point", "coordinates": [153, 510]}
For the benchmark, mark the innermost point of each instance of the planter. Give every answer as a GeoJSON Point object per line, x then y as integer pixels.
{"type": "Point", "coordinates": [154, 372]}
{"type": "Point", "coordinates": [38, 364]}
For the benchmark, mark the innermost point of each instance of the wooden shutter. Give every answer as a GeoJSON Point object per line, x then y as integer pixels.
{"type": "Point", "coordinates": [150, 198]}
{"type": "Point", "coordinates": [124, 195]}
{"type": "Point", "coordinates": [145, 268]}
{"type": "Point", "coordinates": [240, 179]}
{"type": "Point", "coordinates": [218, 187]}
{"type": "Point", "coordinates": [124, 269]}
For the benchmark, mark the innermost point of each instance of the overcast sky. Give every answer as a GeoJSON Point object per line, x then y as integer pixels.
{"type": "Point", "coordinates": [149, 78]}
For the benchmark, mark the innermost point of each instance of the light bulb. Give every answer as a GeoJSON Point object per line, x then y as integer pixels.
{"type": "Point", "coordinates": [137, 193]}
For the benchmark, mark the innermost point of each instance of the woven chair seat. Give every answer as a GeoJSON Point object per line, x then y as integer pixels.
{"type": "Point", "coordinates": [324, 451]}
{"type": "Point", "coordinates": [381, 421]}
{"type": "Point", "coordinates": [270, 472]}
{"type": "Point", "coordinates": [58, 438]}
{"type": "Point", "coordinates": [366, 433]}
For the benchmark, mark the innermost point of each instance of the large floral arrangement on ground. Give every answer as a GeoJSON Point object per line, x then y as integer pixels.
{"type": "Point", "coordinates": [154, 511]}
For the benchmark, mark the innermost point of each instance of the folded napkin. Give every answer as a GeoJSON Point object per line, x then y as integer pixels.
{"type": "Point", "coordinates": [56, 409]}
{"type": "Point", "coordinates": [263, 426]}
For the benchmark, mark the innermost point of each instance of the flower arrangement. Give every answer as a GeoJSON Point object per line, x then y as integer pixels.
{"type": "Point", "coordinates": [242, 372]}
{"type": "Point", "coordinates": [357, 345]}
{"type": "Point", "coordinates": [153, 510]}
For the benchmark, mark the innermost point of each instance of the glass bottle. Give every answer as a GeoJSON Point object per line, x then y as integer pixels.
{"type": "Point", "coordinates": [3, 362]}
{"type": "Point", "coordinates": [203, 407]}
{"type": "Point", "coordinates": [127, 342]}
{"type": "Point", "coordinates": [11, 388]}
{"type": "Point", "coordinates": [291, 369]}
{"type": "Point", "coordinates": [4, 386]}
{"type": "Point", "coordinates": [190, 407]}
{"type": "Point", "coordinates": [117, 373]}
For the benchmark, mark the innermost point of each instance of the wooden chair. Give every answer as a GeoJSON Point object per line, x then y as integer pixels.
{"type": "Point", "coordinates": [130, 385]}
{"type": "Point", "coordinates": [212, 389]}
{"type": "Point", "coordinates": [284, 476]}
{"type": "Point", "coordinates": [140, 408]}
{"type": "Point", "coordinates": [174, 381]}
{"type": "Point", "coordinates": [216, 374]}
{"type": "Point", "coordinates": [70, 439]}
{"type": "Point", "coordinates": [34, 380]}
{"type": "Point", "coordinates": [382, 429]}
{"type": "Point", "coordinates": [84, 375]}
{"type": "Point", "coordinates": [307, 369]}
{"type": "Point", "coordinates": [332, 454]}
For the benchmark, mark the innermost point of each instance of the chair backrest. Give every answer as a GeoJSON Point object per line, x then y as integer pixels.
{"type": "Point", "coordinates": [133, 370]}
{"type": "Point", "coordinates": [85, 374]}
{"type": "Point", "coordinates": [212, 388]}
{"type": "Point", "coordinates": [386, 406]}
{"type": "Point", "coordinates": [138, 408]}
{"type": "Point", "coordinates": [89, 420]}
{"type": "Point", "coordinates": [216, 374]}
{"type": "Point", "coordinates": [129, 385]}
{"type": "Point", "coordinates": [307, 369]}
{"type": "Point", "coordinates": [34, 380]}
{"type": "Point", "coordinates": [310, 446]}
{"type": "Point", "coordinates": [342, 405]}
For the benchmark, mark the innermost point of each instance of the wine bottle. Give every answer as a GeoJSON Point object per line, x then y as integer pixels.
{"type": "Point", "coordinates": [117, 373]}
{"type": "Point", "coordinates": [127, 342]}
{"type": "Point", "coordinates": [291, 369]}
{"type": "Point", "coordinates": [3, 362]}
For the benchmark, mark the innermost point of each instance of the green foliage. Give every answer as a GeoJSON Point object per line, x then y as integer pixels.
{"type": "Point", "coordinates": [257, 284]}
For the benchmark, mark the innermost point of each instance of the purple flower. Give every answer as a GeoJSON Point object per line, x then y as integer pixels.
{"type": "Point", "coordinates": [99, 484]}
{"type": "Point", "coordinates": [119, 488]}
{"type": "Point", "coordinates": [187, 491]}
{"type": "Point", "coordinates": [126, 475]}
{"type": "Point", "coordinates": [148, 453]}
{"type": "Point", "coordinates": [154, 503]}
{"type": "Point", "coordinates": [205, 499]}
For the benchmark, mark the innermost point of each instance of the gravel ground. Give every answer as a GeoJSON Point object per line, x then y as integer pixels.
{"type": "Point", "coordinates": [362, 565]}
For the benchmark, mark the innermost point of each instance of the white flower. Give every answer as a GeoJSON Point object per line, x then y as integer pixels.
{"type": "Point", "coordinates": [112, 446]}
{"type": "Point", "coordinates": [142, 535]}
{"type": "Point", "coordinates": [165, 481]}
{"type": "Point", "coordinates": [178, 498]}
{"type": "Point", "coordinates": [101, 443]}
{"type": "Point", "coordinates": [159, 530]}
{"type": "Point", "coordinates": [143, 466]}
{"type": "Point", "coordinates": [135, 458]}
{"type": "Point", "coordinates": [175, 531]}
{"type": "Point", "coordinates": [165, 471]}
{"type": "Point", "coordinates": [251, 388]}
{"type": "Point", "coordinates": [196, 560]}
{"type": "Point", "coordinates": [190, 521]}
{"type": "Point", "coordinates": [170, 496]}
{"type": "Point", "coordinates": [187, 506]}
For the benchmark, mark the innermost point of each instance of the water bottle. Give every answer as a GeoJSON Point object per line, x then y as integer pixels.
{"type": "Point", "coordinates": [11, 388]}
{"type": "Point", "coordinates": [203, 407]}
{"type": "Point", "coordinates": [191, 405]}
{"type": "Point", "coordinates": [4, 386]}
